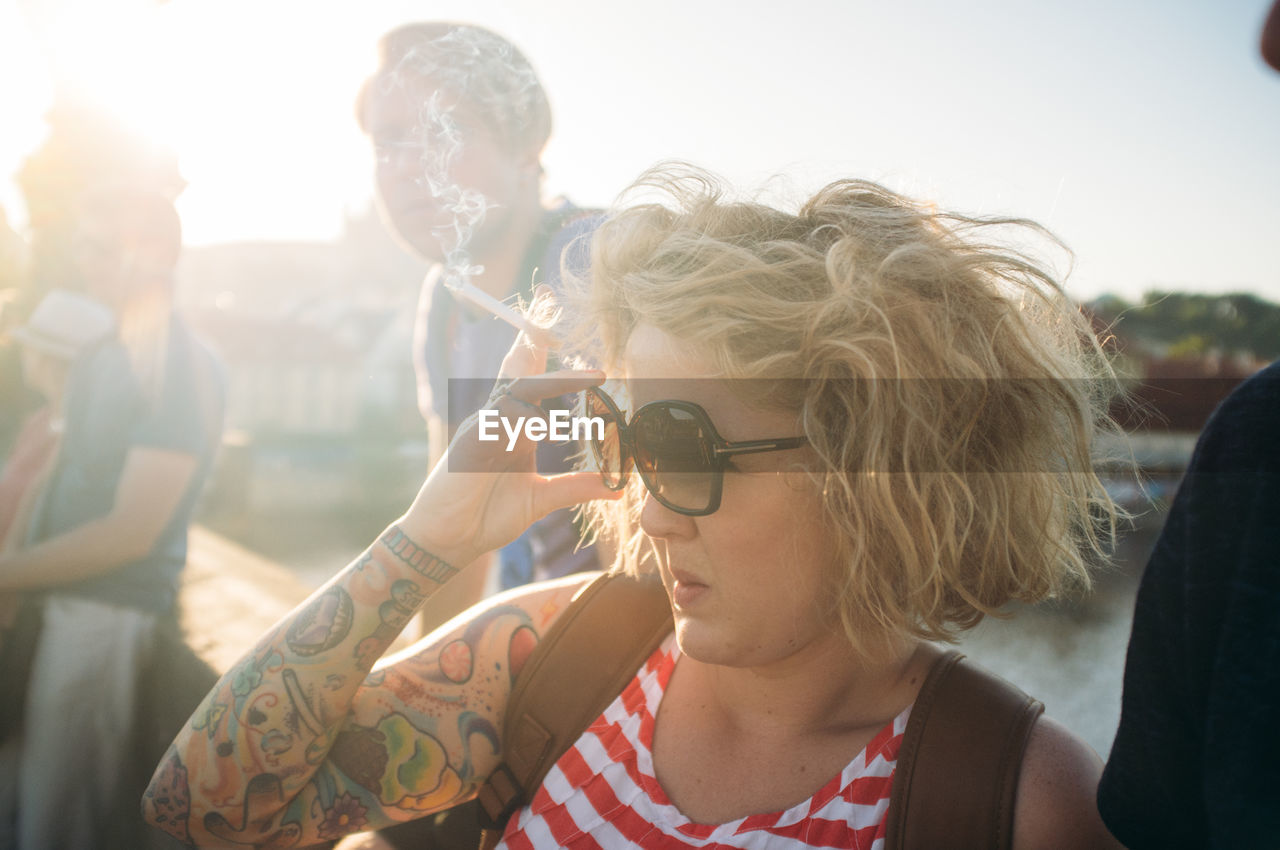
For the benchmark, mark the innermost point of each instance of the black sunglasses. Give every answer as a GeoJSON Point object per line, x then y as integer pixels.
{"type": "Point", "coordinates": [677, 451]}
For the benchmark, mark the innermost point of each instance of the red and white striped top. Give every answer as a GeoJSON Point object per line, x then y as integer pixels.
{"type": "Point", "coordinates": [603, 793]}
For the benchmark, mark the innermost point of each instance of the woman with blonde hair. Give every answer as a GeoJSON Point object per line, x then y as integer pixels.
{"type": "Point", "coordinates": [855, 431]}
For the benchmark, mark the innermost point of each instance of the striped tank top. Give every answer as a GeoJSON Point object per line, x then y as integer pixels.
{"type": "Point", "coordinates": [603, 793]}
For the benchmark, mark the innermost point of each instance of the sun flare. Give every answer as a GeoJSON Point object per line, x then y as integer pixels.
{"type": "Point", "coordinates": [253, 116]}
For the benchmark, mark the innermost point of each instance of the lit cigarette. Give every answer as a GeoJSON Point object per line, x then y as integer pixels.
{"type": "Point", "coordinates": [506, 312]}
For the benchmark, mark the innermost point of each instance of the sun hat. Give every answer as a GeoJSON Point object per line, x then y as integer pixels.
{"type": "Point", "coordinates": [64, 324]}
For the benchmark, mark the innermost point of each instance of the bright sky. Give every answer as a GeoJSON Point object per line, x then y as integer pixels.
{"type": "Point", "coordinates": [1145, 132]}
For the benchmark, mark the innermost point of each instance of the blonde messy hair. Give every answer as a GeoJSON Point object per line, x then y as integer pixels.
{"type": "Point", "coordinates": [951, 391]}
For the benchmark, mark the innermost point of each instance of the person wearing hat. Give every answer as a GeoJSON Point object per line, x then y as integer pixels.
{"type": "Point", "coordinates": [63, 325]}
{"type": "Point", "coordinates": [108, 537]}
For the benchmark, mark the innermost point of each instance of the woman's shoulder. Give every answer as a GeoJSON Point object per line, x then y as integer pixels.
{"type": "Point", "coordinates": [1057, 780]}
{"type": "Point", "coordinates": [1056, 792]}
{"type": "Point", "coordinates": [539, 604]}
{"type": "Point", "coordinates": [538, 593]}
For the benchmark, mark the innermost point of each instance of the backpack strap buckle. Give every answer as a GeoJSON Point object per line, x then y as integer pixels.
{"type": "Point", "coordinates": [500, 796]}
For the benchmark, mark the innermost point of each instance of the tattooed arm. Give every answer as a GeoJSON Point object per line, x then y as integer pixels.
{"type": "Point", "coordinates": [420, 734]}
{"type": "Point", "coordinates": [301, 743]}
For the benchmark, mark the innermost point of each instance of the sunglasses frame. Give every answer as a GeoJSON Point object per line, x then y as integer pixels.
{"type": "Point", "coordinates": [721, 449]}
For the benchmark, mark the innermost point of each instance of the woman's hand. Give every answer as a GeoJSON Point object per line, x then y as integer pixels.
{"type": "Point", "coordinates": [483, 493]}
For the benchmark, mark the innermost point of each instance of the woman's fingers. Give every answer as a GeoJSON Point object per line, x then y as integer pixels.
{"type": "Point", "coordinates": [571, 488]}
{"type": "Point", "coordinates": [488, 442]}
{"type": "Point", "coordinates": [543, 308]}
{"type": "Point", "coordinates": [526, 356]}
{"type": "Point", "coordinates": [532, 389]}
{"type": "Point", "coordinates": [543, 338]}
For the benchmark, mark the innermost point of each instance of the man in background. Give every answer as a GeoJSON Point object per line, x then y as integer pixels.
{"type": "Point", "coordinates": [107, 542]}
{"type": "Point", "coordinates": [458, 120]}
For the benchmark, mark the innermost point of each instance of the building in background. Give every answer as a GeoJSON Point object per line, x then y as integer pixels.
{"type": "Point", "coordinates": [316, 338]}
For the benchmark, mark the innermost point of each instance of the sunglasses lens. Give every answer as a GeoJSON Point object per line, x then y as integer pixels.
{"type": "Point", "coordinates": [607, 451]}
{"type": "Point", "coordinates": [673, 455]}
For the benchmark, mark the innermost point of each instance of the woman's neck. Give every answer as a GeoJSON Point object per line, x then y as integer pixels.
{"type": "Point", "coordinates": [822, 689]}
{"type": "Point", "coordinates": [782, 731]}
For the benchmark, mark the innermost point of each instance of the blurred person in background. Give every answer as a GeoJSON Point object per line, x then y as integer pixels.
{"type": "Point", "coordinates": [452, 109]}
{"type": "Point", "coordinates": [63, 326]}
{"type": "Point", "coordinates": [1196, 758]}
{"type": "Point", "coordinates": [105, 546]}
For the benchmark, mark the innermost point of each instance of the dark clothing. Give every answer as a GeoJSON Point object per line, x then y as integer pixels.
{"type": "Point", "coordinates": [1196, 760]}
{"type": "Point", "coordinates": [107, 415]}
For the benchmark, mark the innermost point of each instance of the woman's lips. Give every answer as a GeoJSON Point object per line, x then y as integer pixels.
{"type": "Point", "coordinates": [686, 589]}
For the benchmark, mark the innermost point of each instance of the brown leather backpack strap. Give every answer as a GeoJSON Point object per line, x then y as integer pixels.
{"type": "Point", "coordinates": [585, 660]}
{"type": "Point", "coordinates": [956, 777]}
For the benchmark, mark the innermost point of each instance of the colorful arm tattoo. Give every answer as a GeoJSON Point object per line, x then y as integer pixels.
{"type": "Point", "coordinates": [302, 741]}
{"type": "Point", "coordinates": [415, 556]}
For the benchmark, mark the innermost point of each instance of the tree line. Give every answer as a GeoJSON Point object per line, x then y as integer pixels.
{"type": "Point", "coordinates": [1194, 325]}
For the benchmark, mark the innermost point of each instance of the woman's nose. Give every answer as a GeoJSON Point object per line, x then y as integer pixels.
{"type": "Point", "coordinates": [661, 523]}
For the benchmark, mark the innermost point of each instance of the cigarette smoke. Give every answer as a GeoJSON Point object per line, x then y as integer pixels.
{"type": "Point", "coordinates": [465, 206]}
{"type": "Point", "coordinates": [477, 68]}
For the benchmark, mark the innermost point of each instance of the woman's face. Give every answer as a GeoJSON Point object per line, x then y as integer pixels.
{"type": "Point", "coordinates": [747, 583]}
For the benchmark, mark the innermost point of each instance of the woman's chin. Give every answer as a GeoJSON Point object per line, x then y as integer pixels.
{"type": "Point", "coordinates": [702, 642]}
